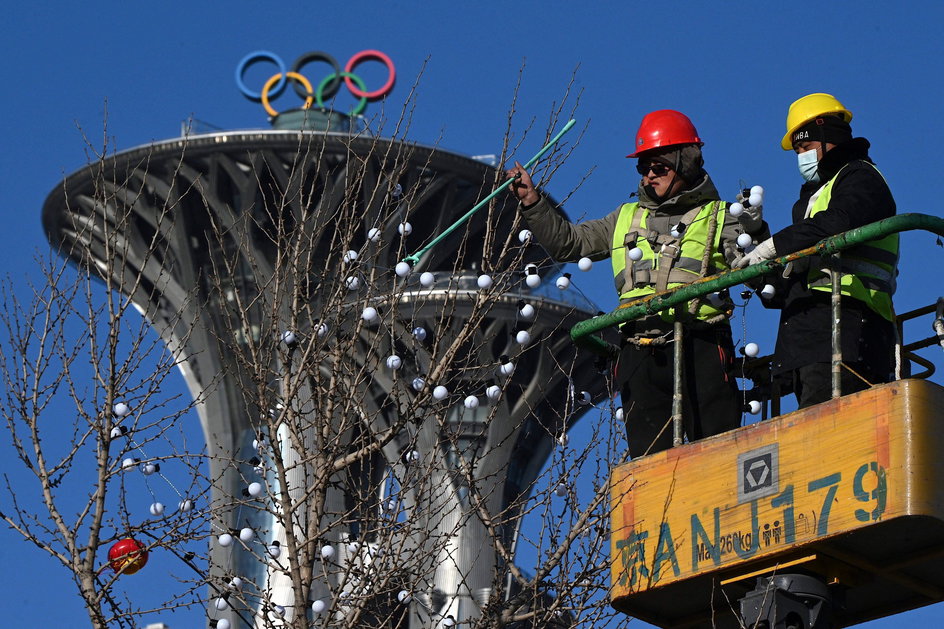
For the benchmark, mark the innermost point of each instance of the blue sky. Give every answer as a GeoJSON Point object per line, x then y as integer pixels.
{"type": "Point", "coordinates": [733, 67]}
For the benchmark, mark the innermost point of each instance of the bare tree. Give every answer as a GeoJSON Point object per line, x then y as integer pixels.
{"type": "Point", "coordinates": [376, 432]}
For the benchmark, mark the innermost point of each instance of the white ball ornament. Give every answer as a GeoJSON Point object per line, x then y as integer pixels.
{"type": "Point", "coordinates": [352, 282]}
{"type": "Point", "coordinates": [402, 269]}
{"type": "Point", "coordinates": [619, 414]}
{"type": "Point", "coordinates": [254, 489]}
{"type": "Point", "coordinates": [274, 549]}
{"type": "Point", "coordinates": [757, 190]}
{"type": "Point", "coordinates": [289, 338]}
{"type": "Point", "coordinates": [753, 407]}
{"type": "Point", "coordinates": [419, 333]}
{"type": "Point", "coordinates": [561, 489]}
{"type": "Point", "coordinates": [185, 505]}
{"type": "Point", "coordinates": [756, 200]}
{"type": "Point", "coordinates": [221, 603]}
{"type": "Point", "coordinates": [493, 392]}
{"type": "Point", "coordinates": [735, 209]}
{"type": "Point", "coordinates": [322, 329]}
{"type": "Point", "coordinates": [149, 468]}
{"type": "Point", "coordinates": [635, 254]}
{"type": "Point", "coordinates": [373, 234]}
{"type": "Point", "coordinates": [413, 456]}
{"type": "Point", "coordinates": [246, 534]}
{"type": "Point", "coordinates": [715, 299]}
{"type": "Point", "coordinates": [751, 350]}
{"type": "Point", "coordinates": [405, 229]}
{"type": "Point", "coordinates": [564, 439]}
{"type": "Point", "coordinates": [676, 231]}
{"type": "Point", "coordinates": [327, 551]}
{"type": "Point", "coordinates": [584, 264]}
{"type": "Point", "coordinates": [394, 362]}
{"type": "Point", "coordinates": [471, 402]}
{"type": "Point", "coordinates": [524, 236]}
{"type": "Point", "coordinates": [350, 256]}
{"type": "Point", "coordinates": [418, 384]}
{"type": "Point", "coordinates": [121, 409]}
{"type": "Point", "coordinates": [584, 398]}
{"type": "Point", "coordinates": [225, 540]}
{"type": "Point", "coordinates": [404, 597]}
{"type": "Point", "coordinates": [369, 314]}
{"type": "Point", "coordinates": [523, 337]}
{"type": "Point", "coordinates": [768, 291]}
{"type": "Point", "coordinates": [127, 463]}
{"type": "Point", "coordinates": [533, 281]}
{"type": "Point", "coordinates": [278, 610]}
{"type": "Point", "coordinates": [427, 279]}
{"type": "Point", "coordinates": [236, 583]}
{"type": "Point", "coordinates": [440, 392]}
{"type": "Point", "coordinates": [506, 369]}
{"type": "Point", "coordinates": [526, 311]}
{"type": "Point", "coordinates": [157, 509]}
{"type": "Point", "coordinates": [117, 431]}
{"type": "Point", "coordinates": [484, 281]}
{"type": "Point", "coordinates": [448, 621]}
{"type": "Point", "coordinates": [744, 240]}
{"type": "Point", "coordinates": [318, 606]}
{"type": "Point", "coordinates": [223, 623]}
{"type": "Point", "coordinates": [563, 282]}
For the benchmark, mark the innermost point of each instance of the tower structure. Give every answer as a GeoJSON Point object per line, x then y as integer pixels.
{"type": "Point", "coordinates": [202, 223]}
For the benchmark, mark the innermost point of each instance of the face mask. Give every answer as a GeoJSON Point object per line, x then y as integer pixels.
{"type": "Point", "coordinates": [808, 165]}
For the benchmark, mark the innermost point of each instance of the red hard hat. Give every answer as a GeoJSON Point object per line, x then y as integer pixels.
{"type": "Point", "coordinates": [662, 128]}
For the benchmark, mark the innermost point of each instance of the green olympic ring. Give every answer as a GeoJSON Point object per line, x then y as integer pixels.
{"type": "Point", "coordinates": [334, 75]}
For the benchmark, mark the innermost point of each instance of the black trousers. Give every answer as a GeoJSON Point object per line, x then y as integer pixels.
{"type": "Point", "coordinates": [710, 398]}
{"type": "Point", "coordinates": [814, 383]}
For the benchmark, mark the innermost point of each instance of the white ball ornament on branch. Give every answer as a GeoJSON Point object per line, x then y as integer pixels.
{"type": "Point", "coordinates": [327, 552]}
{"type": "Point", "coordinates": [419, 333]}
{"type": "Point", "coordinates": [440, 392]}
{"type": "Point", "coordinates": [523, 337]}
{"type": "Point", "coordinates": [524, 236]}
{"type": "Point", "coordinates": [394, 362]}
{"type": "Point", "coordinates": [563, 282]}
{"type": "Point", "coordinates": [352, 282]}
{"type": "Point", "coordinates": [157, 509]}
{"type": "Point", "coordinates": [246, 534]}
{"type": "Point", "coordinates": [350, 256]}
{"type": "Point", "coordinates": [493, 392]}
{"type": "Point", "coordinates": [373, 234]}
{"type": "Point", "coordinates": [531, 276]}
{"type": "Point", "coordinates": [225, 540]}
{"type": "Point", "coordinates": [274, 549]}
{"type": "Point", "coordinates": [427, 279]}
{"type": "Point", "coordinates": [484, 281]}
{"type": "Point", "coordinates": [120, 409]}
{"type": "Point", "coordinates": [405, 228]}
{"type": "Point", "coordinates": [471, 402]}
{"type": "Point", "coordinates": [402, 269]}
{"type": "Point", "coordinates": [525, 310]}
{"type": "Point", "coordinates": [369, 314]}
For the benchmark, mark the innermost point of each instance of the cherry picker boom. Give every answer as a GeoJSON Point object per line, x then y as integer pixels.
{"type": "Point", "coordinates": [824, 517]}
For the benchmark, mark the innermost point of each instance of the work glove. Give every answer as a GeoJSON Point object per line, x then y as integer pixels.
{"type": "Point", "coordinates": [763, 251]}
{"type": "Point", "coordinates": [751, 218]}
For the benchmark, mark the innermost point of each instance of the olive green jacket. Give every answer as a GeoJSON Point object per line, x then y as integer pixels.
{"type": "Point", "coordinates": [567, 242]}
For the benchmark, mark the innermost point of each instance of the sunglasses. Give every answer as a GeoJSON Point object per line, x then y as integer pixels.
{"type": "Point", "coordinates": [657, 169]}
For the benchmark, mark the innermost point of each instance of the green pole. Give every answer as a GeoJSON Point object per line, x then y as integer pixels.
{"type": "Point", "coordinates": [415, 258]}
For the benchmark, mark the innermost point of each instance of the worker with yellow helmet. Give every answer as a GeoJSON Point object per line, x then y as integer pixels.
{"type": "Point", "coordinates": [843, 190]}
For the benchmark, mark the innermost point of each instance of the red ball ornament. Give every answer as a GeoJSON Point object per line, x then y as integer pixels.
{"type": "Point", "coordinates": [127, 556]}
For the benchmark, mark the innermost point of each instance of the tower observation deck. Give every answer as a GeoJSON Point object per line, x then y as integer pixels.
{"type": "Point", "coordinates": [226, 240]}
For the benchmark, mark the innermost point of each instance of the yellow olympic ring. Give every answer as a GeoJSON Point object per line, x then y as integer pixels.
{"type": "Point", "coordinates": [275, 79]}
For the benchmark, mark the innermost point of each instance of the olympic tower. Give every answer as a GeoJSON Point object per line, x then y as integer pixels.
{"type": "Point", "coordinates": [217, 247]}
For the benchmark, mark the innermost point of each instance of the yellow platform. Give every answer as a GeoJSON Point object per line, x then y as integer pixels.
{"type": "Point", "coordinates": [852, 489]}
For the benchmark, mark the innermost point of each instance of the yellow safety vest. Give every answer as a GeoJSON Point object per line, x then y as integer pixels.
{"type": "Point", "coordinates": [869, 270]}
{"type": "Point", "coordinates": [667, 262]}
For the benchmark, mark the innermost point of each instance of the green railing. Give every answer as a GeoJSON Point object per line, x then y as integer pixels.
{"type": "Point", "coordinates": [584, 332]}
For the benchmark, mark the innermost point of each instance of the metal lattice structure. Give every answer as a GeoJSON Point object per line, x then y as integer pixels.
{"type": "Point", "coordinates": [197, 222]}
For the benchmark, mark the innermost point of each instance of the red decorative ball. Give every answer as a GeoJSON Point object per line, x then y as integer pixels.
{"type": "Point", "coordinates": [127, 556]}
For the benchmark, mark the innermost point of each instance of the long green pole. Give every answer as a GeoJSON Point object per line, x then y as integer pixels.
{"type": "Point", "coordinates": [583, 333]}
{"type": "Point", "coordinates": [415, 258]}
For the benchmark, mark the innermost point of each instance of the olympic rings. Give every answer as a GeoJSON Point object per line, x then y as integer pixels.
{"type": "Point", "coordinates": [327, 88]}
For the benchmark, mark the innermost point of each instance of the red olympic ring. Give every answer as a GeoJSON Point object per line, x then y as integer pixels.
{"type": "Point", "coordinates": [327, 88]}
{"type": "Point", "coordinates": [370, 54]}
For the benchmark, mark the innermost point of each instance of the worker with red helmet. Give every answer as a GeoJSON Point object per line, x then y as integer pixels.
{"type": "Point", "coordinates": [843, 190]}
{"type": "Point", "coordinates": [679, 230]}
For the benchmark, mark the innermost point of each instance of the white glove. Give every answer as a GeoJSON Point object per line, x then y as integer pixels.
{"type": "Point", "coordinates": [752, 218]}
{"type": "Point", "coordinates": [763, 251]}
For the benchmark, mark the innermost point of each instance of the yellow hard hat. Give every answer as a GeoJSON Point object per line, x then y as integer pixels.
{"type": "Point", "coordinates": [810, 106]}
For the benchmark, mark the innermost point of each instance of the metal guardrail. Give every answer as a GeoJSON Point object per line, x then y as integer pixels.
{"type": "Point", "coordinates": [583, 334]}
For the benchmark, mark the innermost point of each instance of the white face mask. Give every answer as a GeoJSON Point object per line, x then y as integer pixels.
{"type": "Point", "coordinates": [808, 164]}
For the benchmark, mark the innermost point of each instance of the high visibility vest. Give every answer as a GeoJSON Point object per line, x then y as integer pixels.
{"type": "Point", "coordinates": [869, 270]}
{"type": "Point", "coordinates": [667, 261]}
